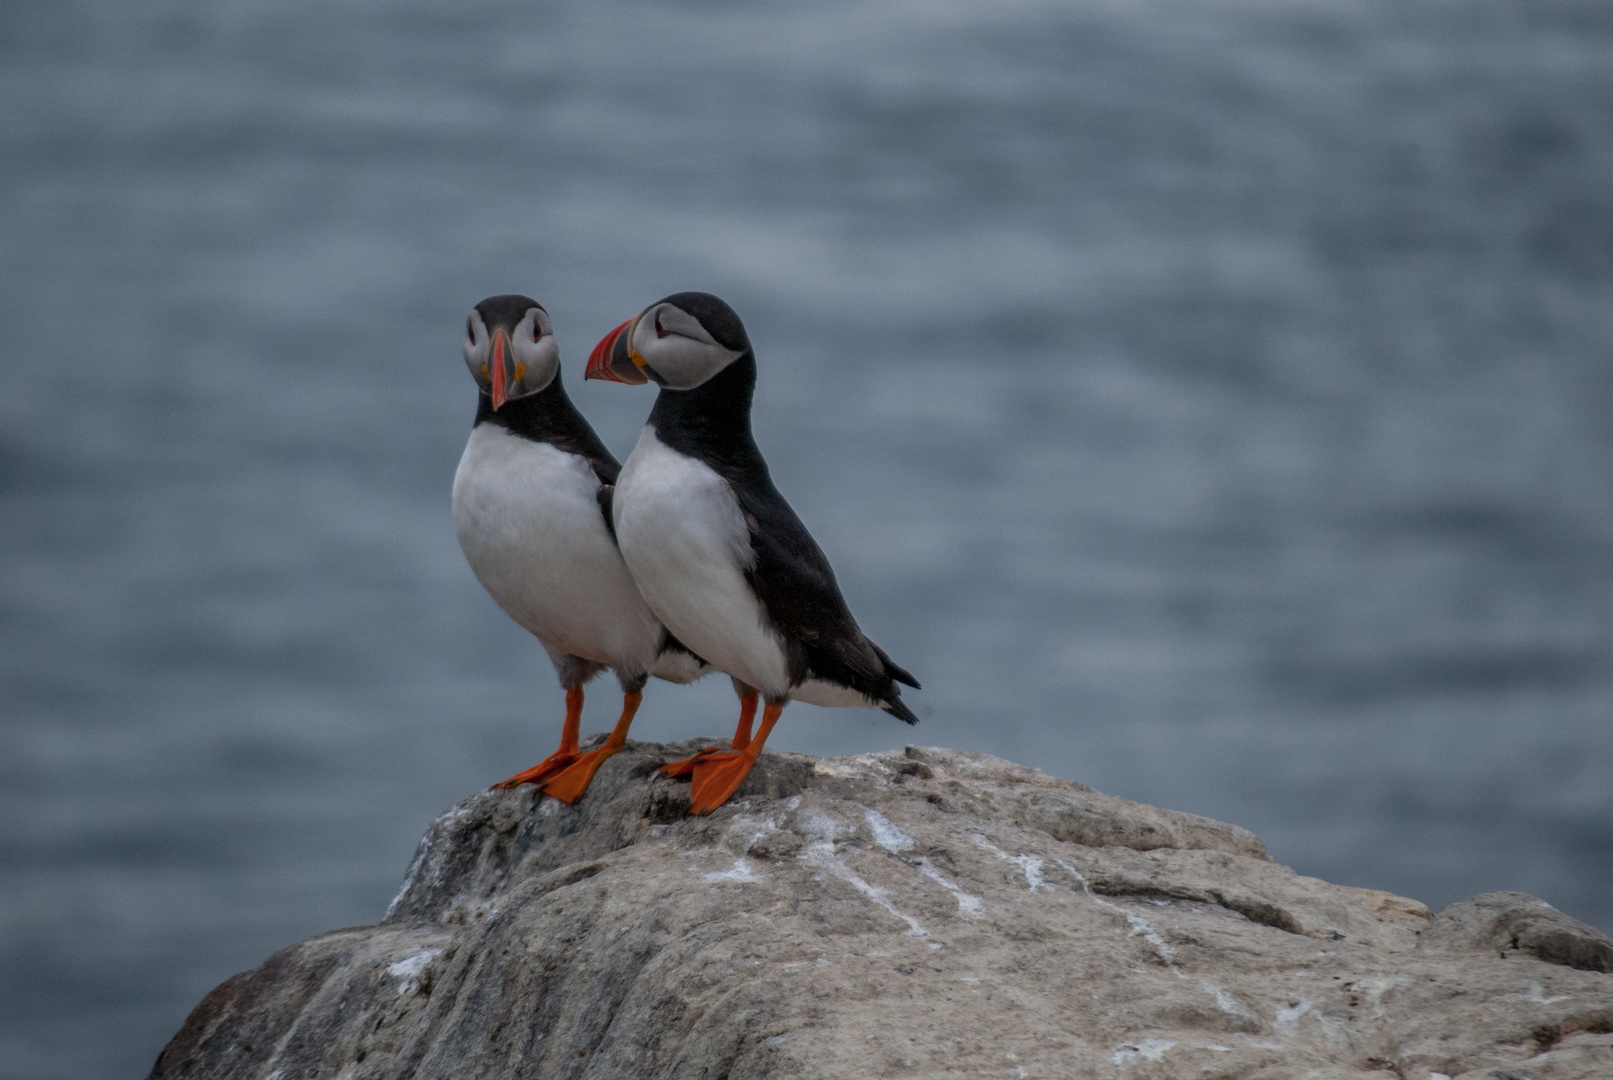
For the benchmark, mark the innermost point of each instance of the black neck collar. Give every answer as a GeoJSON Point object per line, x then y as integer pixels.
{"type": "Point", "coordinates": [533, 415]}
{"type": "Point", "coordinates": [712, 421]}
{"type": "Point", "coordinates": [549, 417]}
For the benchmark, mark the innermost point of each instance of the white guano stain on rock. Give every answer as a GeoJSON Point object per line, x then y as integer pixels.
{"type": "Point", "coordinates": [1140, 927]}
{"type": "Point", "coordinates": [888, 836]}
{"type": "Point", "coordinates": [408, 878]}
{"type": "Point", "coordinates": [1537, 994]}
{"type": "Point", "coordinates": [740, 872]}
{"type": "Point", "coordinates": [747, 831]}
{"type": "Point", "coordinates": [1223, 1000]}
{"type": "Point", "coordinates": [1137, 925]}
{"type": "Point", "coordinates": [817, 826]}
{"type": "Point", "coordinates": [1377, 987]}
{"type": "Point", "coordinates": [1142, 1050]}
{"type": "Point", "coordinates": [820, 854]}
{"type": "Point", "coordinates": [1288, 1017]}
{"type": "Point", "coordinates": [895, 841]}
{"type": "Point", "coordinates": [409, 968]}
{"type": "Point", "coordinates": [444, 822]}
{"type": "Point", "coordinates": [968, 905]}
{"type": "Point", "coordinates": [1031, 865]}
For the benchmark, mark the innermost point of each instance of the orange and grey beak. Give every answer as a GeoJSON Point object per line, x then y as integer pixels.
{"type": "Point", "coordinates": [501, 367]}
{"type": "Point", "coordinates": [614, 360]}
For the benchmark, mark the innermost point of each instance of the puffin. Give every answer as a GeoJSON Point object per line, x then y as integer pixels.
{"type": "Point", "coordinates": [532, 509]}
{"type": "Point", "coordinates": [718, 554]}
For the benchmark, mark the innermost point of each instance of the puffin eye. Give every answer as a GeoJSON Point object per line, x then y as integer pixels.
{"type": "Point", "coordinates": [660, 331]}
{"type": "Point", "coordinates": [537, 331]}
{"type": "Point", "coordinates": [470, 331]}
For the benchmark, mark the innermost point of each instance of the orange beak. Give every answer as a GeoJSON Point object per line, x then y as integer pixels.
{"type": "Point", "coordinates": [612, 361]}
{"type": "Point", "coordinates": [497, 372]}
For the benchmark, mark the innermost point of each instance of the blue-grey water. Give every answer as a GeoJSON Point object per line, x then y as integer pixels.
{"type": "Point", "coordinates": [1209, 400]}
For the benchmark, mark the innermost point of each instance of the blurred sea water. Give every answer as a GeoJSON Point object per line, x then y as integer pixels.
{"type": "Point", "coordinates": [1208, 401]}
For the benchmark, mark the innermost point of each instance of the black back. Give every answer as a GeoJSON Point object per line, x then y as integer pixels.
{"type": "Point", "coordinates": [791, 576]}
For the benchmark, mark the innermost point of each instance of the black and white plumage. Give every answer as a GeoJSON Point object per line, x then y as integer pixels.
{"type": "Point", "coordinates": [531, 502]}
{"type": "Point", "coordinates": [718, 554]}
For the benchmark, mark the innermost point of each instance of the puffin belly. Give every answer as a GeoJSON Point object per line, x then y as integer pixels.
{"type": "Point", "coordinates": [678, 667]}
{"type": "Point", "coordinates": [529, 521]}
{"type": "Point", "coordinates": [684, 540]}
{"type": "Point", "coordinates": [832, 695]}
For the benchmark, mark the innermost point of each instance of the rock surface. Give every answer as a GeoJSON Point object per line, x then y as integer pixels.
{"type": "Point", "coordinates": [920, 913]}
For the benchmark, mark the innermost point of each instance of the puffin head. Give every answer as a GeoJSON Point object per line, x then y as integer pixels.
{"type": "Point", "coordinates": [510, 347]}
{"type": "Point", "coordinates": [679, 342]}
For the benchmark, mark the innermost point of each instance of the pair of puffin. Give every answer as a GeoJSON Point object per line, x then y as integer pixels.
{"type": "Point", "coordinates": [683, 560]}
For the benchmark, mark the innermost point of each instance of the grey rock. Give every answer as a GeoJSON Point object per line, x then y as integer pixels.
{"type": "Point", "coordinates": [920, 913]}
{"type": "Point", "coordinates": [1500, 922]}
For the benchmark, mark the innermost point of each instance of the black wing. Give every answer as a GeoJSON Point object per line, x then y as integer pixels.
{"type": "Point", "coordinates": [796, 586]}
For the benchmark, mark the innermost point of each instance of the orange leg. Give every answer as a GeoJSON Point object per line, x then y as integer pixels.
{"type": "Point", "coordinates": [747, 713]}
{"type": "Point", "coordinates": [561, 757]}
{"type": "Point", "coordinates": [571, 782]}
{"type": "Point", "coordinates": [718, 775]}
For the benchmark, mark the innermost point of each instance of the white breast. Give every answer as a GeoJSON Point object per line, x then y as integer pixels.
{"type": "Point", "coordinates": [684, 539]}
{"type": "Point", "coordinates": [529, 522]}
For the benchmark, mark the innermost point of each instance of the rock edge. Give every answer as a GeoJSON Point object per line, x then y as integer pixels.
{"type": "Point", "coordinates": [920, 913]}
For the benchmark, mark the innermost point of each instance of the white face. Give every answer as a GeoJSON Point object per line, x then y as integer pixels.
{"type": "Point", "coordinates": [531, 355]}
{"type": "Point", "coordinates": [673, 344]}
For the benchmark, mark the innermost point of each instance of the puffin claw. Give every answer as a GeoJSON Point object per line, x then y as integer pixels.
{"type": "Point", "coordinates": [542, 771]}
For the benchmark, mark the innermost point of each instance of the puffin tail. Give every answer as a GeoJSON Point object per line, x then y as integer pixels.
{"type": "Point", "coordinates": [897, 708]}
{"type": "Point", "coordinates": [876, 685]}
{"type": "Point", "coordinates": [896, 671]}
{"type": "Point", "coordinates": [891, 699]}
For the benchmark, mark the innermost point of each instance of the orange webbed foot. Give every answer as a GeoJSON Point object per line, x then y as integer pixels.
{"type": "Point", "coordinates": [564, 756]}
{"type": "Point", "coordinates": [716, 777]}
{"type": "Point", "coordinates": [747, 713]}
{"type": "Point", "coordinates": [550, 766]}
{"type": "Point", "coordinates": [719, 773]}
{"type": "Point", "coordinates": [686, 767]}
{"type": "Point", "coordinates": [571, 783]}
